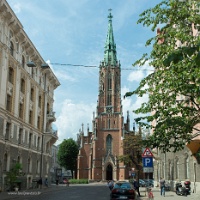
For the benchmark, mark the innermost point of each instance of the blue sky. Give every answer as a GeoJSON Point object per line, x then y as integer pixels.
{"type": "Point", "coordinates": [74, 32]}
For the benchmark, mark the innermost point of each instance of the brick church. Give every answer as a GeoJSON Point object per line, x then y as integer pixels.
{"type": "Point", "coordinates": [100, 148]}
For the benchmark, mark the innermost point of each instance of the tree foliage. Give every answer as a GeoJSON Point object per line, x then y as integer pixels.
{"type": "Point", "coordinates": [132, 156]}
{"type": "Point", "coordinates": [13, 175]}
{"type": "Point", "coordinates": [67, 154]}
{"type": "Point", "coordinates": [174, 86]}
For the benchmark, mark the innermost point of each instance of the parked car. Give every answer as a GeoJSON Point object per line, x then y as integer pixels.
{"type": "Point", "coordinates": [149, 182]}
{"type": "Point", "coordinates": [142, 183]}
{"type": "Point", "coordinates": [123, 190]}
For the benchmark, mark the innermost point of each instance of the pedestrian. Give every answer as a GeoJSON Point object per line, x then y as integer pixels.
{"type": "Point", "coordinates": [67, 182]}
{"type": "Point", "coordinates": [56, 181]}
{"type": "Point", "coordinates": [136, 186]}
{"type": "Point", "coordinates": [46, 182]}
{"type": "Point", "coordinates": [40, 183]}
{"type": "Point", "coordinates": [162, 186]}
{"type": "Point", "coordinates": [111, 184]}
{"type": "Point", "coordinates": [150, 194]}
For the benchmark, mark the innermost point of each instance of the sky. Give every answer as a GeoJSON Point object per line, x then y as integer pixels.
{"type": "Point", "coordinates": [74, 32]}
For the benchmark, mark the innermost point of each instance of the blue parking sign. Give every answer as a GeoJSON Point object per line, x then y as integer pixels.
{"type": "Point", "coordinates": [147, 161]}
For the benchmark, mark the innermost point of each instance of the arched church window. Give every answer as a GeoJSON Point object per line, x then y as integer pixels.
{"type": "Point", "coordinates": [109, 144]}
{"type": "Point", "coordinates": [109, 82]}
{"type": "Point", "coordinates": [176, 168]}
{"type": "Point", "coordinates": [108, 123]}
{"type": "Point", "coordinates": [109, 100]}
{"type": "Point", "coordinates": [186, 166]}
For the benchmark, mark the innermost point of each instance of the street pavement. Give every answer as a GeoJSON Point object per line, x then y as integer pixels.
{"type": "Point", "coordinates": [168, 195]}
{"type": "Point", "coordinates": [54, 189]}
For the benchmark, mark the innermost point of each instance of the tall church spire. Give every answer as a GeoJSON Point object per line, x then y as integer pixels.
{"type": "Point", "coordinates": [110, 54]}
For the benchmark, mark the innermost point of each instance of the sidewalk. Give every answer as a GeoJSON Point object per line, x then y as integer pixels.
{"type": "Point", "coordinates": [168, 195]}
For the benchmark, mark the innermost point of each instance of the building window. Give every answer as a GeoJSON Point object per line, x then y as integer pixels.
{"type": "Point", "coordinates": [39, 101]}
{"type": "Point", "coordinates": [109, 144]}
{"type": "Point", "coordinates": [5, 162]}
{"type": "Point", "coordinates": [48, 108]}
{"type": "Point", "coordinates": [9, 103]}
{"type": "Point", "coordinates": [30, 117]}
{"type": "Point", "coordinates": [109, 82]}
{"type": "Point", "coordinates": [29, 165]}
{"type": "Point", "coordinates": [22, 86]}
{"type": "Point", "coordinates": [176, 168]}
{"type": "Point", "coordinates": [11, 48]}
{"type": "Point", "coordinates": [38, 143]}
{"type": "Point", "coordinates": [108, 123]}
{"type": "Point", "coordinates": [21, 110]}
{"type": "Point", "coordinates": [18, 159]}
{"type": "Point", "coordinates": [11, 75]}
{"type": "Point", "coordinates": [32, 94]}
{"type": "Point", "coordinates": [186, 167]}
{"type": "Point", "coordinates": [20, 136]}
{"type": "Point", "coordinates": [38, 123]}
{"type": "Point", "coordinates": [30, 140]}
{"type": "Point", "coordinates": [8, 130]}
{"type": "Point", "coordinates": [23, 62]}
{"type": "Point", "coordinates": [109, 100]}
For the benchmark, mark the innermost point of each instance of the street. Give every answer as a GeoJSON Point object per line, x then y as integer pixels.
{"type": "Point", "coordinates": [89, 192]}
{"type": "Point", "coordinates": [95, 191]}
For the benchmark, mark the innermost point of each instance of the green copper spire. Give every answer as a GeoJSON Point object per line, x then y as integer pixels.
{"type": "Point", "coordinates": [110, 54]}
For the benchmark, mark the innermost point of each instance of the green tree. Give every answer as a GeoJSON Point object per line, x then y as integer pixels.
{"type": "Point", "coordinates": [132, 149]}
{"type": "Point", "coordinates": [67, 154]}
{"type": "Point", "coordinates": [174, 86]}
{"type": "Point", "coordinates": [13, 174]}
{"type": "Point", "coordinates": [132, 156]}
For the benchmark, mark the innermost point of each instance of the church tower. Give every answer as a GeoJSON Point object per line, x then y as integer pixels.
{"type": "Point", "coordinates": [106, 140]}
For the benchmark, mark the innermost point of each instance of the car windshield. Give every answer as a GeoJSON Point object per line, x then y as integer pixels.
{"type": "Point", "coordinates": [122, 186]}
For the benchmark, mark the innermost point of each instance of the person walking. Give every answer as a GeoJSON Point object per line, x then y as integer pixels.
{"type": "Point", "coordinates": [46, 182]}
{"type": "Point", "coordinates": [162, 186]}
{"type": "Point", "coordinates": [40, 183]}
{"type": "Point", "coordinates": [111, 184]}
{"type": "Point", "coordinates": [136, 186]}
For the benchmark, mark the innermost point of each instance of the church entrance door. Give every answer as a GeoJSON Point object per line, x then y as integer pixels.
{"type": "Point", "coordinates": [109, 172]}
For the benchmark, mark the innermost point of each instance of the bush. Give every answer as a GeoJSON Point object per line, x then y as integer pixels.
{"type": "Point", "coordinates": [78, 181]}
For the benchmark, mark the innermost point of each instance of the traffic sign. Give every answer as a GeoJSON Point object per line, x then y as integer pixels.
{"type": "Point", "coordinates": [147, 153]}
{"type": "Point", "coordinates": [148, 169]}
{"type": "Point", "coordinates": [147, 161]}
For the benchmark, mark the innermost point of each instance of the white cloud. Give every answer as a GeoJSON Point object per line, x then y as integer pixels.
{"type": "Point", "coordinates": [17, 7]}
{"type": "Point", "coordinates": [124, 90]}
{"type": "Point", "coordinates": [136, 76]}
{"type": "Point", "coordinates": [71, 117]}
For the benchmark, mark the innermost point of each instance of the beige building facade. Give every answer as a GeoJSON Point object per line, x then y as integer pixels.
{"type": "Point", "coordinates": [183, 165]}
{"type": "Point", "coordinates": [26, 103]}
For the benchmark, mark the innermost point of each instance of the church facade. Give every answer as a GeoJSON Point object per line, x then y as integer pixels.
{"type": "Point", "coordinates": [100, 149]}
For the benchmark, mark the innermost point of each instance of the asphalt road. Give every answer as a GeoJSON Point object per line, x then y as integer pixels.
{"type": "Point", "coordinates": [96, 191]}
{"type": "Point", "coordinates": [85, 192]}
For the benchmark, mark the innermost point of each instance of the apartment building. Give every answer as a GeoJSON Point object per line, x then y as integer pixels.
{"type": "Point", "coordinates": [27, 87]}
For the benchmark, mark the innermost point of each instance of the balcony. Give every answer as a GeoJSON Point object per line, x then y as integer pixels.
{"type": "Point", "coordinates": [51, 136]}
{"type": "Point", "coordinates": [51, 117]}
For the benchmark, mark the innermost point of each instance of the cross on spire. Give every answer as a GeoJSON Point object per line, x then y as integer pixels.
{"type": "Point", "coordinates": [110, 15]}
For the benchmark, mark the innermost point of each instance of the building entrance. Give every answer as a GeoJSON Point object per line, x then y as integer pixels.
{"type": "Point", "coordinates": [109, 172]}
